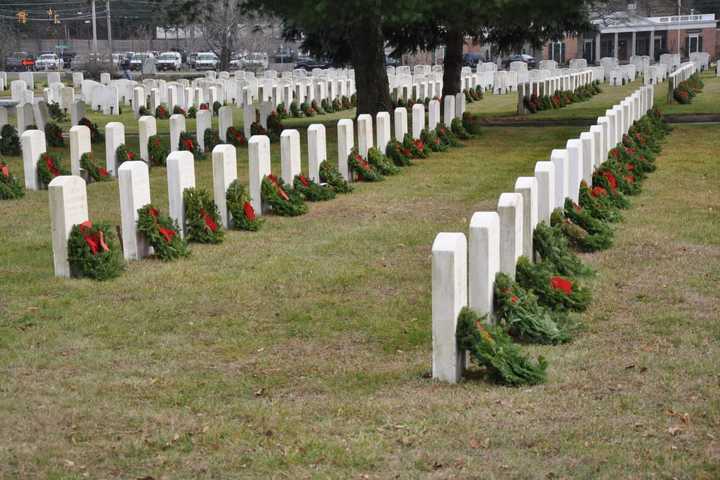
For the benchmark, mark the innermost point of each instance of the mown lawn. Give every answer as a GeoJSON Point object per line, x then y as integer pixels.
{"type": "Point", "coordinates": [302, 350]}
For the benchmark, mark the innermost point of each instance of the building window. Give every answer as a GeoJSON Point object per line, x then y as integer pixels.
{"type": "Point", "coordinates": [694, 43]}
{"type": "Point", "coordinates": [557, 52]}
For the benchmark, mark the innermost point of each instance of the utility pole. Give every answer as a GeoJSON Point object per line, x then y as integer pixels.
{"type": "Point", "coordinates": [109, 27]}
{"type": "Point", "coordinates": [678, 32]}
{"type": "Point", "coordinates": [94, 27]}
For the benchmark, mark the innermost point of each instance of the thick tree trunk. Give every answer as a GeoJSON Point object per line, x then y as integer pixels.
{"type": "Point", "coordinates": [368, 60]}
{"type": "Point", "coordinates": [453, 62]}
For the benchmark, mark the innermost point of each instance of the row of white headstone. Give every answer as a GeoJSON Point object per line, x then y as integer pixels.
{"type": "Point", "coordinates": [463, 272]}
{"type": "Point", "coordinates": [68, 194]}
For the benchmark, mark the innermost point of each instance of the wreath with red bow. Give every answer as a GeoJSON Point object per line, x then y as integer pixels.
{"type": "Point", "coordinates": [50, 166]}
{"type": "Point", "coordinates": [396, 151]}
{"type": "Point", "coordinates": [124, 154]}
{"type": "Point", "coordinates": [94, 252]}
{"type": "Point", "coordinates": [94, 172]}
{"type": "Point", "coordinates": [281, 199]}
{"type": "Point", "coordinates": [235, 137]}
{"type": "Point", "coordinates": [187, 143]}
{"type": "Point", "coordinates": [553, 291]}
{"type": "Point", "coordinates": [157, 151]}
{"type": "Point", "coordinates": [10, 186]}
{"type": "Point", "coordinates": [53, 135]}
{"type": "Point", "coordinates": [202, 220]}
{"type": "Point", "coordinates": [382, 164]}
{"type": "Point", "coordinates": [241, 209]}
{"type": "Point", "coordinates": [415, 146]}
{"type": "Point", "coordinates": [161, 113]}
{"type": "Point", "coordinates": [330, 175]}
{"type": "Point", "coordinates": [161, 233]}
{"type": "Point", "coordinates": [361, 169]}
{"type": "Point", "coordinates": [96, 136]}
{"type": "Point", "coordinates": [431, 139]}
{"type": "Point", "coordinates": [312, 191]}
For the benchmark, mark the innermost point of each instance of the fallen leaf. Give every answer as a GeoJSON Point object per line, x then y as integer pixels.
{"type": "Point", "coordinates": [674, 430]}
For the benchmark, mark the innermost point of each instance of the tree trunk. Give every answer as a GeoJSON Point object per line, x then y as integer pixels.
{"type": "Point", "coordinates": [368, 60]}
{"type": "Point", "coordinates": [453, 62]}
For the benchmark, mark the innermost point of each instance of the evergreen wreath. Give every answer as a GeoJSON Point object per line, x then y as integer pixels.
{"type": "Point", "coordinates": [178, 110]}
{"type": "Point", "coordinates": [192, 112]}
{"type": "Point", "coordinates": [56, 113]}
{"type": "Point", "coordinates": [53, 135]}
{"type": "Point", "coordinates": [295, 110]}
{"type": "Point", "coordinates": [317, 108]}
{"type": "Point", "coordinates": [202, 219]}
{"type": "Point", "coordinates": [361, 169]}
{"type": "Point", "coordinates": [307, 109]}
{"type": "Point", "coordinates": [416, 147]}
{"type": "Point", "coordinates": [553, 291]}
{"type": "Point", "coordinates": [401, 156]}
{"type": "Point", "coordinates": [143, 111]}
{"type": "Point", "coordinates": [50, 166]}
{"type": "Point", "coordinates": [337, 105]}
{"type": "Point", "coordinates": [96, 136]}
{"type": "Point", "coordinates": [597, 204]}
{"type": "Point", "coordinates": [607, 181]}
{"type": "Point", "coordinates": [551, 248]}
{"type": "Point", "coordinates": [158, 151]}
{"type": "Point", "coordinates": [274, 127]}
{"type": "Point", "coordinates": [10, 186]}
{"type": "Point", "coordinates": [327, 106]}
{"type": "Point", "coordinates": [162, 235]}
{"type": "Point", "coordinates": [578, 237]}
{"type": "Point", "coordinates": [381, 163]}
{"type": "Point", "coordinates": [235, 137]}
{"type": "Point", "coordinates": [216, 108]}
{"type": "Point", "coordinates": [312, 191]}
{"type": "Point", "coordinates": [187, 143]}
{"type": "Point", "coordinates": [94, 252]}
{"type": "Point", "coordinates": [257, 129]}
{"type": "Point", "coordinates": [211, 139]}
{"type": "Point", "coordinates": [518, 310]}
{"type": "Point", "coordinates": [94, 171]}
{"type": "Point", "coordinates": [275, 194]}
{"type": "Point", "coordinates": [10, 141]}
{"type": "Point", "coordinates": [446, 136]}
{"type": "Point", "coordinates": [330, 175]}
{"type": "Point", "coordinates": [457, 127]}
{"type": "Point", "coordinates": [241, 209]}
{"type": "Point", "coordinates": [430, 138]}
{"type": "Point", "coordinates": [161, 113]}
{"type": "Point", "coordinates": [599, 231]}
{"type": "Point", "coordinates": [124, 154]}
{"type": "Point", "coordinates": [281, 110]}
{"type": "Point", "coordinates": [346, 103]}
{"type": "Point", "coordinates": [492, 348]}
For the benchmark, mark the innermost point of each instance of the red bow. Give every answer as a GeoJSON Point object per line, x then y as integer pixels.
{"type": "Point", "coordinates": [598, 192]}
{"type": "Point", "coordinates": [50, 163]}
{"type": "Point", "coordinates": [562, 284]}
{"type": "Point", "coordinates": [273, 179]}
{"type": "Point", "coordinates": [188, 144]}
{"type": "Point", "coordinates": [5, 170]}
{"type": "Point", "coordinates": [103, 172]}
{"type": "Point", "coordinates": [209, 222]}
{"type": "Point", "coordinates": [249, 211]}
{"type": "Point", "coordinates": [304, 181]}
{"type": "Point", "coordinates": [95, 241]}
{"type": "Point", "coordinates": [167, 233]}
{"type": "Point", "coordinates": [611, 180]}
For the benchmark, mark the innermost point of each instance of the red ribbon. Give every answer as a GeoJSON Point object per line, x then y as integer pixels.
{"type": "Point", "coordinates": [304, 180]}
{"type": "Point", "coordinates": [95, 241]}
{"type": "Point", "coordinates": [274, 180]}
{"type": "Point", "coordinates": [249, 211]}
{"type": "Point", "coordinates": [562, 284]}
{"type": "Point", "coordinates": [611, 180]}
{"type": "Point", "coordinates": [5, 170]}
{"type": "Point", "coordinates": [598, 192]}
{"type": "Point", "coordinates": [103, 172]}
{"type": "Point", "coordinates": [209, 222]}
{"type": "Point", "coordinates": [50, 162]}
{"type": "Point", "coordinates": [188, 144]}
{"type": "Point", "coordinates": [167, 233]}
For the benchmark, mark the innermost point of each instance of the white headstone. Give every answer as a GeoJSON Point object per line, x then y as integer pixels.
{"type": "Point", "coordinates": [483, 261]}
{"type": "Point", "coordinates": [449, 296]}
{"type": "Point", "coordinates": [400, 123]}
{"type": "Point", "coordinates": [433, 114]}
{"type": "Point", "coordinates": [545, 177]}
{"type": "Point", "coordinates": [147, 127]}
{"type": "Point", "coordinates": [365, 134]}
{"type": "Point", "coordinates": [459, 105]}
{"type": "Point", "coordinates": [418, 120]}
{"type": "Point", "coordinates": [587, 139]}
{"type": "Point", "coordinates": [138, 99]}
{"type": "Point", "coordinates": [596, 132]}
{"type": "Point", "coordinates": [79, 144]}
{"type": "Point", "coordinates": [259, 163]}
{"type": "Point", "coordinates": [449, 112]}
{"type": "Point", "coordinates": [289, 155]}
{"type": "Point", "coordinates": [33, 145]}
{"type": "Point", "coordinates": [575, 168]}
{"type": "Point", "coordinates": [604, 123]}
{"type": "Point", "coordinates": [559, 158]}
{"type": "Point", "coordinates": [114, 137]}
{"type": "Point", "coordinates": [180, 175]}
{"type": "Point", "coordinates": [317, 150]}
{"type": "Point", "coordinates": [346, 142]}
{"type": "Point", "coordinates": [510, 210]}
{"type": "Point", "coordinates": [68, 207]}
{"type": "Point", "coordinates": [528, 188]}
{"type": "Point", "coordinates": [224, 163]}
{"type": "Point", "coordinates": [134, 186]}
{"type": "Point", "coordinates": [203, 121]}
{"type": "Point", "coordinates": [382, 122]}
{"type": "Point", "coordinates": [177, 126]}
{"type": "Point", "coordinates": [225, 121]}
{"type": "Point", "coordinates": [105, 78]}
{"type": "Point", "coordinates": [25, 116]}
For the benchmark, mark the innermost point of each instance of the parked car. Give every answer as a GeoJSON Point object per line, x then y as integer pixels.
{"type": "Point", "coordinates": [236, 62]}
{"type": "Point", "coordinates": [19, 61]}
{"type": "Point", "coordinates": [284, 55]}
{"type": "Point", "coordinates": [520, 57]}
{"type": "Point", "coordinates": [391, 62]}
{"type": "Point", "coordinates": [191, 58]}
{"type": "Point", "coordinates": [308, 63]}
{"type": "Point", "coordinates": [48, 61]}
{"type": "Point", "coordinates": [169, 61]}
{"type": "Point", "coordinates": [256, 61]}
{"type": "Point", "coordinates": [137, 60]}
{"type": "Point", "coordinates": [206, 61]}
{"type": "Point", "coordinates": [471, 59]}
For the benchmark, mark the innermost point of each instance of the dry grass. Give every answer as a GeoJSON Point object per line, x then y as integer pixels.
{"type": "Point", "coordinates": [300, 351]}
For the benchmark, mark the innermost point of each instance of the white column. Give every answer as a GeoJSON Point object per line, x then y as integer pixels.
{"type": "Point", "coordinates": [418, 120]}
{"type": "Point", "coordinates": [528, 188]}
{"type": "Point", "coordinates": [346, 143]}
{"type": "Point", "coordinates": [79, 144]}
{"type": "Point", "coordinates": [180, 175]}
{"type": "Point", "coordinates": [68, 207]}
{"type": "Point", "coordinates": [575, 168]}
{"type": "Point", "coordinates": [483, 261]}
{"type": "Point", "coordinates": [134, 187]}
{"type": "Point", "coordinates": [114, 137]}
{"type": "Point", "coordinates": [224, 163]}
{"type": "Point", "coordinates": [259, 164]}
{"type": "Point", "coordinates": [400, 123]}
{"type": "Point", "coordinates": [317, 150]}
{"type": "Point", "coordinates": [510, 211]}
{"type": "Point", "coordinates": [33, 145]}
{"type": "Point", "coordinates": [365, 134]}
{"type": "Point", "coordinates": [382, 125]}
{"type": "Point", "coordinates": [289, 155]}
{"type": "Point", "coordinates": [545, 176]}
{"type": "Point", "coordinates": [449, 296]}
{"type": "Point", "coordinates": [559, 158]}
{"type": "Point", "coordinates": [147, 127]}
